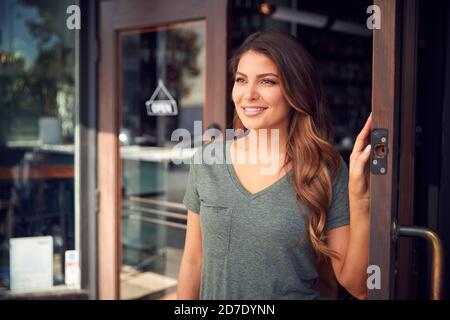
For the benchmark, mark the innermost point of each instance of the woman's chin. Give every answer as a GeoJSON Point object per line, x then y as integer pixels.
{"type": "Point", "coordinates": [253, 127]}
{"type": "Point", "coordinates": [254, 124]}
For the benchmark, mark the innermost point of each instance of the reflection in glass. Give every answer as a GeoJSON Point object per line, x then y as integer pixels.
{"type": "Point", "coordinates": [37, 112]}
{"type": "Point", "coordinates": [162, 89]}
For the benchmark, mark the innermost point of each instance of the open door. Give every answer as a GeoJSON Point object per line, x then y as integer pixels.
{"type": "Point", "coordinates": [162, 67]}
{"type": "Point", "coordinates": [394, 105]}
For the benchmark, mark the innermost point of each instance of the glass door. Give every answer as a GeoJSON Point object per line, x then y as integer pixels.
{"type": "Point", "coordinates": [162, 89]}
{"type": "Point", "coordinates": [162, 68]}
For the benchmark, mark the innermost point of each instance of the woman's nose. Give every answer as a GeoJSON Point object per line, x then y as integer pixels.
{"type": "Point", "coordinates": [251, 94]}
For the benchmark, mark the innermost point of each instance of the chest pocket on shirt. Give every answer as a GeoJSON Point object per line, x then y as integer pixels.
{"type": "Point", "coordinates": [216, 229]}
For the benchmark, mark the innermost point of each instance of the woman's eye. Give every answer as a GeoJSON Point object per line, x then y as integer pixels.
{"type": "Point", "coordinates": [264, 81]}
{"type": "Point", "coordinates": [268, 81]}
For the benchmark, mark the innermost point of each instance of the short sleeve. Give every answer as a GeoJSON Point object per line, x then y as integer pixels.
{"type": "Point", "coordinates": [339, 212]}
{"type": "Point", "coordinates": [191, 198]}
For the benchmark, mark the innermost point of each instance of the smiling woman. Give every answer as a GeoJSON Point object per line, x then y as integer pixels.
{"type": "Point", "coordinates": [244, 226]}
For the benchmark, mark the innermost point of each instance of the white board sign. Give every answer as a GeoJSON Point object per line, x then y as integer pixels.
{"type": "Point", "coordinates": [31, 263]}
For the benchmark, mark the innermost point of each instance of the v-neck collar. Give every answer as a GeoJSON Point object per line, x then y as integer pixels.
{"type": "Point", "coordinates": [237, 182]}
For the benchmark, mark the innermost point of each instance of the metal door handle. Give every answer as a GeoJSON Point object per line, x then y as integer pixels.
{"type": "Point", "coordinates": [437, 262]}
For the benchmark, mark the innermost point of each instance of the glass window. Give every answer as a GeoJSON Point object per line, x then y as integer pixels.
{"type": "Point", "coordinates": [162, 89]}
{"type": "Point", "coordinates": [38, 111]}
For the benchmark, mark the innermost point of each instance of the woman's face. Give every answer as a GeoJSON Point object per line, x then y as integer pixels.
{"type": "Point", "coordinates": [257, 94]}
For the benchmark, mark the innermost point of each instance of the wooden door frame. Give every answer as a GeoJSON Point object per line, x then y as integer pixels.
{"type": "Point", "coordinates": [385, 109]}
{"type": "Point", "coordinates": [395, 51]}
{"type": "Point", "coordinates": [115, 16]}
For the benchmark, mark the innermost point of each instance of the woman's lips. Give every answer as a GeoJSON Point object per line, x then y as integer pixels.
{"type": "Point", "coordinates": [253, 111]}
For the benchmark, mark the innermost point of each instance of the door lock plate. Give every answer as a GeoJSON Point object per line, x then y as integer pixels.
{"type": "Point", "coordinates": [378, 159]}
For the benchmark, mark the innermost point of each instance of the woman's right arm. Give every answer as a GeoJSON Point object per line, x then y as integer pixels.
{"type": "Point", "coordinates": [191, 263]}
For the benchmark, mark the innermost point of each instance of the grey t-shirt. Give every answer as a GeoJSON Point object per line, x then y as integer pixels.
{"type": "Point", "coordinates": [255, 246]}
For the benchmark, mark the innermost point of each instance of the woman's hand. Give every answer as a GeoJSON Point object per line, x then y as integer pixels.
{"type": "Point", "coordinates": [359, 174]}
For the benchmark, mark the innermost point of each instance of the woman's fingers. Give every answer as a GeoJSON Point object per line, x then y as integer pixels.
{"type": "Point", "coordinates": [360, 162]}
{"type": "Point", "coordinates": [359, 174]}
{"type": "Point", "coordinates": [363, 137]}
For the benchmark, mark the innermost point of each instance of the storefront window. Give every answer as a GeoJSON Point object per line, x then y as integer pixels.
{"type": "Point", "coordinates": [38, 118]}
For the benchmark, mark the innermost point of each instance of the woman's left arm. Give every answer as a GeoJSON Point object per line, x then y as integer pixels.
{"type": "Point", "coordinates": [351, 242]}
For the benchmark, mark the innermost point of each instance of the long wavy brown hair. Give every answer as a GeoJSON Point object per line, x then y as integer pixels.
{"type": "Point", "coordinates": [310, 145]}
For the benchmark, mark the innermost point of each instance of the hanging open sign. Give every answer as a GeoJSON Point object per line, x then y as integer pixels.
{"type": "Point", "coordinates": [161, 103]}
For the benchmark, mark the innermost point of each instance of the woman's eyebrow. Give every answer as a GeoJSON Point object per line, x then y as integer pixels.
{"type": "Point", "coordinates": [259, 75]}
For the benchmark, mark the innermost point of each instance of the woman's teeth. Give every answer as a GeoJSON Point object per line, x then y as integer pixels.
{"type": "Point", "coordinates": [253, 111]}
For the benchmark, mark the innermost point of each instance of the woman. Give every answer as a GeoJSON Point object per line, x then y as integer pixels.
{"type": "Point", "coordinates": [257, 236]}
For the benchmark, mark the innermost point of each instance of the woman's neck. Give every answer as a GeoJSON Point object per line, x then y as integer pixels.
{"type": "Point", "coordinates": [274, 139]}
